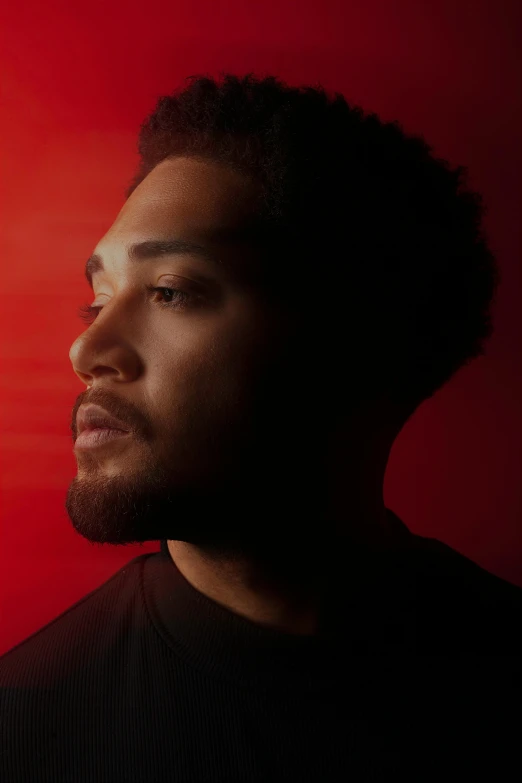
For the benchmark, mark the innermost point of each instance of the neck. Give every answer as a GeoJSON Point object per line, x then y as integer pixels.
{"type": "Point", "coordinates": [282, 587]}
{"type": "Point", "coordinates": [280, 581]}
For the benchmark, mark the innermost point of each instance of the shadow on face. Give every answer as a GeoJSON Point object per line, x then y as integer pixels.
{"type": "Point", "coordinates": [225, 393]}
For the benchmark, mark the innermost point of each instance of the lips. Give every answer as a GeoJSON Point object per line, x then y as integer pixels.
{"type": "Point", "coordinates": [92, 417]}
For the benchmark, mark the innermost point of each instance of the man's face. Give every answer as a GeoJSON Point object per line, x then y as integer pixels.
{"type": "Point", "coordinates": [219, 414]}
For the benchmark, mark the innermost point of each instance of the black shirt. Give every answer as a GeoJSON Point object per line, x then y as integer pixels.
{"type": "Point", "coordinates": [415, 674]}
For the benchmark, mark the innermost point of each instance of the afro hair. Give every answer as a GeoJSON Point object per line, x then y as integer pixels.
{"type": "Point", "coordinates": [362, 218]}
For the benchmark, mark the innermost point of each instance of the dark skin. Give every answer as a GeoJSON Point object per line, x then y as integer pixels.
{"type": "Point", "coordinates": [265, 490]}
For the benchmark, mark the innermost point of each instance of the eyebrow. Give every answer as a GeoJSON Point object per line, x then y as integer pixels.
{"type": "Point", "coordinates": [151, 249]}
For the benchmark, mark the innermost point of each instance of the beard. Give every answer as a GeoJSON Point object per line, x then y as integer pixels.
{"type": "Point", "coordinates": [248, 507]}
{"type": "Point", "coordinates": [125, 508]}
{"type": "Point", "coordinates": [258, 496]}
{"type": "Point", "coordinates": [247, 483]}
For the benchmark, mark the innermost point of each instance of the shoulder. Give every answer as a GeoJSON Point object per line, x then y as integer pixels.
{"type": "Point", "coordinates": [468, 606]}
{"type": "Point", "coordinates": [86, 629]}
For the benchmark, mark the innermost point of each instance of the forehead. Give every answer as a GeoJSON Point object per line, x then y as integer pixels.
{"type": "Point", "coordinates": [186, 195]}
{"type": "Point", "coordinates": [191, 201]}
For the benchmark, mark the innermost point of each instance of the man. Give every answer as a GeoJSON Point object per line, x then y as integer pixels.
{"type": "Point", "coordinates": [285, 283]}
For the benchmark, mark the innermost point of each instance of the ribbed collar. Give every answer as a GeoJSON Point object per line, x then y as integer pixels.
{"type": "Point", "coordinates": [373, 616]}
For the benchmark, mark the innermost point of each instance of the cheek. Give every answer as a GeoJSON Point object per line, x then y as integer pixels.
{"type": "Point", "coordinates": [207, 372]}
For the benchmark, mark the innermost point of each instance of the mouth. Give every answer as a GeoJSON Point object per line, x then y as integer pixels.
{"type": "Point", "coordinates": [98, 436]}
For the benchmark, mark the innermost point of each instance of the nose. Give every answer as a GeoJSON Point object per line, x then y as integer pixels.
{"type": "Point", "coordinates": [100, 352]}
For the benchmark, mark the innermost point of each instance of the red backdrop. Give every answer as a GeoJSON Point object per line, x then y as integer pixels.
{"type": "Point", "coordinates": [77, 82]}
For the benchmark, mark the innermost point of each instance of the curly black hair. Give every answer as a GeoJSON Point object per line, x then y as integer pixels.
{"type": "Point", "coordinates": [362, 216]}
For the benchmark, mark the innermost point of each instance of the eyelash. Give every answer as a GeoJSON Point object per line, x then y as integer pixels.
{"type": "Point", "coordinates": [89, 313]}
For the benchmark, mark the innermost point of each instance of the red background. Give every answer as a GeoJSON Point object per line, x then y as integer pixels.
{"type": "Point", "coordinates": [77, 82]}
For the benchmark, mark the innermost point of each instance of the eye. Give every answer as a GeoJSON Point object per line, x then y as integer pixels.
{"type": "Point", "coordinates": [88, 313]}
